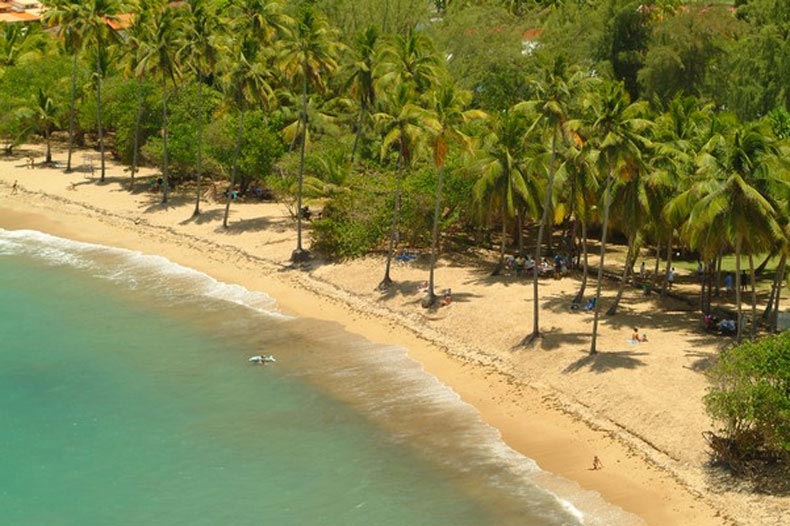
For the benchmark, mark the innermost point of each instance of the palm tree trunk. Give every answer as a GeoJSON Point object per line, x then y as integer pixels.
{"type": "Point", "coordinates": [754, 295]}
{"type": "Point", "coordinates": [387, 281]}
{"type": "Point", "coordinates": [761, 267]}
{"type": "Point", "coordinates": [232, 183]}
{"type": "Point", "coordinates": [137, 118]}
{"type": "Point", "coordinates": [702, 286]}
{"type": "Point", "coordinates": [665, 286]}
{"type": "Point", "coordinates": [98, 112]}
{"type": "Point", "coordinates": [502, 243]}
{"type": "Point", "coordinates": [738, 287]}
{"type": "Point", "coordinates": [300, 254]}
{"type": "Point", "coordinates": [654, 279]}
{"type": "Point", "coordinates": [543, 220]}
{"type": "Point", "coordinates": [779, 284]}
{"type": "Point", "coordinates": [164, 141]}
{"type": "Point", "coordinates": [71, 110]}
{"type": "Point", "coordinates": [196, 212]}
{"type": "Point", "coordinates": [520, 231]}
{"type": "Point", "coordinates": [718, 274]}
{"type": "Point", "coordinates": [47, 136]}
{"type": "Point", "coordinates": [605, 226]}
{"type": "Point", "coordinates": [586, 269]}
{"type": "Point", "coordinates": [359, 132]}
{"type": "Point", "coordinates": [430, 299]}
{"type": "Point", "coordinates": [626, 271]}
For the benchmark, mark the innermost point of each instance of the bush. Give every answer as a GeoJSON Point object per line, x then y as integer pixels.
{"type": "Point", "coordinates": [750, 396]}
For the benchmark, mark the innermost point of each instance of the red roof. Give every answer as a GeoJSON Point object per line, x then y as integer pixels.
{"type": "Point", "coordinates": [119, 22]}
{"type": "Point", "coordinates": [18, 17]}
{"type": "Point", "coordinates": [531, 34]}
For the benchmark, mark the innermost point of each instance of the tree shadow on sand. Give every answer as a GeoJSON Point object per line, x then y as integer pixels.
{"type": "Point", "coordinates": [603, 362]}
{"type": "Point", "coordinates": [205, 216]}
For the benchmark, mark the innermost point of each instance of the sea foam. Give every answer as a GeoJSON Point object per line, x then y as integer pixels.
{"type": "Point", "coordinates": [133, 269]}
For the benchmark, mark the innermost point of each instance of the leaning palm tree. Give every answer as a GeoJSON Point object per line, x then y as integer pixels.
{"type": "Point", "coordinates": [400, 124]}
{"type": "Point", "coordinates": [443, 123]}
{"type": "Point", "coordinates": [308, 57]}
{"type": "Point", "coordinates": [616, 136]}
{"type": "Point", "coordinates": [160, 55]}
{"type": "Point", "coordinates": [96, 17]}
{"type": "Point", "coordinates": [68, 16]}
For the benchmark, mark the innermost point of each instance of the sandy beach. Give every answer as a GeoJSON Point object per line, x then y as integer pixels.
{"type": "Point", "coordinates": [637, 407]}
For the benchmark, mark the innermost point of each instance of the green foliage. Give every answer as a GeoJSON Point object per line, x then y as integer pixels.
{"type": "Point", "coordinates": [354, 223]}
{"type": "Point", "coordinates": [750, 396]}
{"type": "Point", "coordinates": [261, 147]}
{"type": "Point", "coordinates": [120, 113]}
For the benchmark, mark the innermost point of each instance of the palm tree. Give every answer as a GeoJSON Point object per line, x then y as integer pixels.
{"type": "Point", "coordinates": [160, 55]}
{"type": "Point", "coordinates": [554, 96]}
{"type": "Point", "coordinates": [309, 56]}
{"type": "Point", "coordinates": [136, 35]}
{"type": "Point", "coordinates": [45, 117]}
{"type": "Point", "coordinates": [732, 197]}
{"type": "Point", "coordinates": [443, 122]}
{"type": "Point", "coordinates": [400, 124]}
{"type": "Point", "coordinates": [410, 58]}
{"type": "Point", "coordinates": [505, 180]}
{"type": "Point", "coordinates": [362, 78]}
{"type": "Point", "coordinates": [96, 16]}
{"type": "Point", "coordinates": [616, 129]}
{"type": "Point", "coordinates": [202, 53]}
{"type": "Point", "coordinates": [249, 81]}
{"type": "Point", "coordinates": [69, 18]}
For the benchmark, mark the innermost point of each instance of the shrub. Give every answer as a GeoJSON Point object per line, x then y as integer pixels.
{"type": "Point", "coordinates": [750, 396]}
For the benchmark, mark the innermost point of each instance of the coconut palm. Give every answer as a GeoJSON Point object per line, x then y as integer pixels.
{"type": "Point", "coordinates": [159, 54]}
{"type": "Point", "coordinates": [132, 48]}
{"type": "Point", "coordinates": [308, 57]}
{"type": "Point", "coordinates": [45, 117]}
{"type": "Point", "coordinates": [554, 95]}
{"type": "Point", "coordinates": [362, 78]}
{"type": "Point", "coordinates": [68, 16]}
{"type": "Point", "coordinates": [401, 126]}
{"type": "Point", "coordinates": [96, 16]}
{"type": "Point", "coordinates": [732, 197]}
{"type": "Point", "coordinates": [505, 179]}
{"type": "Point", "coordinates": [202, 55]}
{"type": "Point", "coordinates": [443, 122]}
{"type": "Point", "coordinates": [616, 135]}
{"type": "Point", "coordinates": [249, 81]}
{"type": "Point", "coordinates": [410, 58]}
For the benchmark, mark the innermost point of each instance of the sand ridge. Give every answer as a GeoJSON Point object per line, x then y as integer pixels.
{"type": "Point", "coordinates": [637, 406]}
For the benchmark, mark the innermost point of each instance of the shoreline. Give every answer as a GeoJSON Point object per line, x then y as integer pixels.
{"type": "Point", "coordinates": [561, 434]}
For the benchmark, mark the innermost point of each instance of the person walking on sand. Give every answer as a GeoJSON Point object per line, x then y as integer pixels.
{"type": "Point", "coordinates": [597, 464]}
{"type": "Point", "coordinates": [642, 271]}
{"type": "Point", "coordinates": [14, 188]}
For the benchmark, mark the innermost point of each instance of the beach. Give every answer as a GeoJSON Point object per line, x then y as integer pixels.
{"type": "Point", "coordinates": [636, 406]}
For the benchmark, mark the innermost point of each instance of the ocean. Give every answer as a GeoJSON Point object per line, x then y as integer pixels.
{"type": "Point", "coordinates": [127, 398]}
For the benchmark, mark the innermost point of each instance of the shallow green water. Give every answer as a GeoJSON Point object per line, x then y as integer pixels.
{"type": "Point", "coordinates": [126, 398]}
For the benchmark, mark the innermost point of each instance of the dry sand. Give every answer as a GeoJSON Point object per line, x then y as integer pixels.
{"type": "Point", "coordinates": [636, 406]}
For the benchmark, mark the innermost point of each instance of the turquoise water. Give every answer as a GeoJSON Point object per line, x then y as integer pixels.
{"type": "Point", "coordinates": [126, 398]}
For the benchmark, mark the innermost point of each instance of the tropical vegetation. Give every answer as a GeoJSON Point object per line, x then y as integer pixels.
{"type": "Point", "coordinates": [430, 125]}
